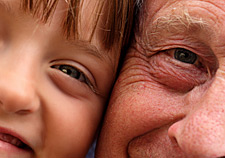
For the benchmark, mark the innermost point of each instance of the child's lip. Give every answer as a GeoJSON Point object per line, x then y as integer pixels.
{"type": "Point", "coordinates": [13, 138]}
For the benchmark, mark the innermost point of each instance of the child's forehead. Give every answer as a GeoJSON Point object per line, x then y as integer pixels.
{"type": "Point", "coordinates": [87, 12]}
{"type": "Point", "coordinates": [55, 22]}
{"type": "Point", "coordinates": [111, 18]}
{"type": "Point", "coordinates": [57, 13]}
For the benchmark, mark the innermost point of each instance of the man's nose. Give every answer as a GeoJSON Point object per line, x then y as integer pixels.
{"type": "Point", "coordinates": [17, 86]}
{"type": "Point", "coordinates": [201, 133]}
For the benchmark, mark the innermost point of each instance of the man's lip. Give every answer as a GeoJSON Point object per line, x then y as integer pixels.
{"type": "Point", "coordinates": [14, 134]}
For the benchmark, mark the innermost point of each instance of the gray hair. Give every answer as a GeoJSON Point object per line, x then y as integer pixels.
{"type": "Point", "coordinates": [139, 3]}
{"type": "Point", "coordinates": [138, 6]}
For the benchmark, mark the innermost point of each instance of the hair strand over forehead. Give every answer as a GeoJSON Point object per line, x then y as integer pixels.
{"type": "Point", "coordinates": [117, 26]}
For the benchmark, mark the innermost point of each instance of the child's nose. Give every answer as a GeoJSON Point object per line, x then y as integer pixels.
{"type": "Point", "coordinates": [18, 92]}
{"type": "Point", "coordinates": [17, 97]}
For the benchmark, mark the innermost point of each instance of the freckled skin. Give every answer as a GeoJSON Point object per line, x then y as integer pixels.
{"type": "Point", "coordinates": [161, 107]}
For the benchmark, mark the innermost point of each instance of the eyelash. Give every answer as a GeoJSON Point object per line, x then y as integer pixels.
{"type": "Point", "coordinates": [72, 71]}
{"type": "Point", "coordinates": [75, 73]}
{"type": "Point", "coordinates": [198, 62]}
{"type": "Point", "coordinates": [176, 73]}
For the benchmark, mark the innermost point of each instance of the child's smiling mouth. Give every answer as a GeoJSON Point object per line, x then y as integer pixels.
{"type": "Point", "coordinates": [11, 144]}
{"type": "Point", "coordinates": [13, 140]}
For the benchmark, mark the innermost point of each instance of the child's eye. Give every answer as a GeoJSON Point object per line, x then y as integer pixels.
{"type": "Point", "coordinates": [71, 71]}
{"type": "Point", "coordinates": [76, 74]}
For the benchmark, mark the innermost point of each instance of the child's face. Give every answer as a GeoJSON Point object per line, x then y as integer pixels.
{"type": "Point", "coordinates": [52, 91]}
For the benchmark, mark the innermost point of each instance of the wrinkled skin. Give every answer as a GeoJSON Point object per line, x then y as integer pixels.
{"type": "Point", "coordinates": [162, 106]}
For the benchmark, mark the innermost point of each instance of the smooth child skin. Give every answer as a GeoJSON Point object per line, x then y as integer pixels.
{"type": "Point", "coordinates": [52, 90]}
{"type": "Point", "coordinates": [169, 100]}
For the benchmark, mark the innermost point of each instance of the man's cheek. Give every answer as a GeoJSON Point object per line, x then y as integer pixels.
{"type": "Point", "coordinates": [146, 105]}
{"type": "Point", "coordinates": [153, 144]}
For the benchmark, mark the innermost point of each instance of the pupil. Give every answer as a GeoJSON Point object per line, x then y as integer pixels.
{"type": "Point", "coordinates": [70, 71]}
{"type": "Point", "coordinates": [185, 56]}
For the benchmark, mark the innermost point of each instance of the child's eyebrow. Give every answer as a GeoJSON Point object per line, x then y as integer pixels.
{"type": "Point", "coordinates": [87, 47]}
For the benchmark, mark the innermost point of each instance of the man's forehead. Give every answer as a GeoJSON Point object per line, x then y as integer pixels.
{"type": "Point", "coordinates": [181, 15]}
{"type": "Point", "coordinates": [171, 19]}
{"type": "Point", "coordinates": [151, 7]}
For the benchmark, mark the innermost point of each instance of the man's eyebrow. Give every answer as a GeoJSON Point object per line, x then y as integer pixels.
{"type": "Point", "coordinates": [171, 25]}
{"type": "Point", "coordinates": [180, 21]}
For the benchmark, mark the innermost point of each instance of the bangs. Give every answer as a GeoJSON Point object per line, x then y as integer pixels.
{"type": "Point", "coordinates": [114, 29]}
{"type": "Point", "coordinates": [44, 10]}
{"type": "Point", "coordinates": [45, 7]}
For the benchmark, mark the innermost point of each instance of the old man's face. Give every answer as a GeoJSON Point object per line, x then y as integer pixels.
{"type": "Point", "coordinates": [169, 100]}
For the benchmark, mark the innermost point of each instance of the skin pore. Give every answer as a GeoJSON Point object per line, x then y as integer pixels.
{"type": "Point", "coordinates": [169, 98]}
{"type": "Point", "coordinates": [55, 82]}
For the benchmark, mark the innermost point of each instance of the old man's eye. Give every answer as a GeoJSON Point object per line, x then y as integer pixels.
{"type": "Point", "coordinates": [185, 55]}
{"type": "Point", "coordinates": [179, 69]}
{"type": "Point", "coordinates": [71, 71]}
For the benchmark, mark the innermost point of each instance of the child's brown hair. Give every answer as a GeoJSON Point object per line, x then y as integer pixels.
{"type": "Point", "coordinates": [117, 24]}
